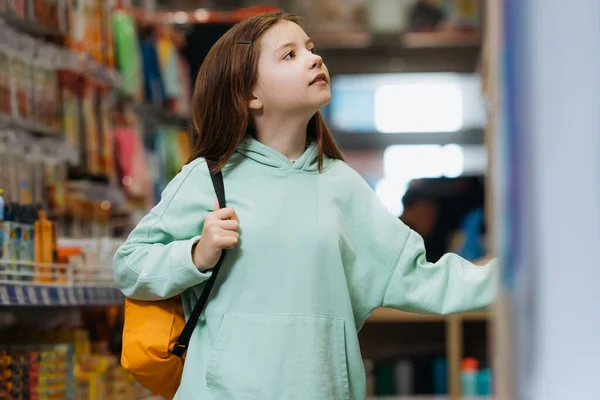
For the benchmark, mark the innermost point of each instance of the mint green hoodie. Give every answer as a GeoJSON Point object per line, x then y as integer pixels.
{"type": "Point", "coordinates": [318, 253]}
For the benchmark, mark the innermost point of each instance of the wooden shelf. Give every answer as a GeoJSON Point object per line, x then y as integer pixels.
{"type": "Point", "coordinates": [391, 315]}
{"type": "Point", "coordinates": [439, 39]}
{"type": "Point", "coordinates": [32, 28]}
{"type": "Point", "coordinates": [426, 397]}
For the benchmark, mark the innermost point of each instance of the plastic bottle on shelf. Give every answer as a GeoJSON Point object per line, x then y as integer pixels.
{"type": "Point", "coordinates": [27, 218]}
{"type": "Point", "coordinates": [440, 376]}
{"type": "Point", "coordinates": [484, 382]}
{"type": "Point", "coordinates": [469, 367]}
{"type": "Point", "coordinates": [404, 377]}
{"type": "Point", "coordinates": [12, 235]}
{"type": "Point", "coordinates": [44, 249]}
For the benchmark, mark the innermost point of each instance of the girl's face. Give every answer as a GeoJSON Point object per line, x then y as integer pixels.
{"type": "Point", "coordinates": [292, 79]}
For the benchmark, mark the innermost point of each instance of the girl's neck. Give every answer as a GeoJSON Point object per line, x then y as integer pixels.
{"type": "Point", "coordinates": [287, 136]}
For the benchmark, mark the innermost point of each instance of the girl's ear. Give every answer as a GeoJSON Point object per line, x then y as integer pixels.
{"type": "Point", "coordinates": [255, 102]}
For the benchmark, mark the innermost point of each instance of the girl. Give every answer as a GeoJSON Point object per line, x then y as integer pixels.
{"type": "Point", "coordinates": [313, 250]}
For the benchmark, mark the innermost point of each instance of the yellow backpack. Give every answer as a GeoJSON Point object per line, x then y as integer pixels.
{"type": "Point", "coordinates": [155, 334]}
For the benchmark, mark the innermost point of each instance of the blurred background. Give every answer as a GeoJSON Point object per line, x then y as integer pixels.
{"type": "Point", "coordinates": [475, 122]}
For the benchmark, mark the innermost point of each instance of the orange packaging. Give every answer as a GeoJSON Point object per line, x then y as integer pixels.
{"type": "Point", "coordinates": [64, 256]}
{"type": "Point", "coordinates": [45, 243]}
{"type": "Point", "coordinates": [92, 142]}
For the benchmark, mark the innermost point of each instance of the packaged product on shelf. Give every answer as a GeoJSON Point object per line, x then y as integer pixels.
{"type": "Point", "coordinates": [63, 364]}
{"type": "Point", "coordinates": [75, 37]}
{"type": "Point", "coordinates": [18, 8]}
{"type": "Point", "coordinates": [90, 152]}
{"type": "Point", "coordinates": [92, 29]}
{"type": "Point", "coordinates": [18, 100]}
{"type": "Point", "coordinates": [106, 131]}
{"type": "Point", "coordinates": [40, 371]}
{"type": "Point", "coordinates": [33, 158]}
{"type": "Point", "coordinates": [21, 235]}
{"type": "Point", "coordinates": [28, 50]}
{"type": "Point", "coordinates": [50, 14]}
{"type": "Point", "coordinates": [54, 183]}
{"type": "Point", "coordinates": [108, 51]}
{"type": "Point", "coordinates": [44, 233]}
{"type": "Point", "coordinates": [21, 72]}
{"type": "Point", "coordinates": [24, 178]}
{"type": "Point", "coordinates": [154, 90]}
{"type": "Point", "coordinates": [465, 14]}
{"type": "Point", "coordinates": [132, 163]}
{"type": "Point", "coordinates": [46, 97]}
{"type": "Point", "coordinates": [168, 63]}
{"type": "Point", "coordinates": [39, 79]}
{"type": "Point", "coordinates": [5, 92]}
{"type": "Point", "coordinates": [182, 106]}
{"type": "Point", "coordinates": [10, 243]}
{"type": "Point", "coordinates": [71, 85]}
{"type": "Point", "coordinates": [128, 55]}
{"type": "Point", "coordinates": [9, 150]}
{"type": "Point", "coordinates": [4, 165]}
{"type": "Point", "coordinates": [52, 100]}
{"type": "Point", "coordinates": [26, 245]}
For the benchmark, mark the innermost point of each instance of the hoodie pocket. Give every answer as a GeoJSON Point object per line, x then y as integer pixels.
{"type": "Point", "coordinates": [264, 357]}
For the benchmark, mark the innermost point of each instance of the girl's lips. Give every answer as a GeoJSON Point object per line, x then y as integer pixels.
{"type": "Point", "coordinates": [321, 78]}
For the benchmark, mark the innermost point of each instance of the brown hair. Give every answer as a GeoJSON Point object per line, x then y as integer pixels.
{"type": "Point", "coordinates": [220, 108]}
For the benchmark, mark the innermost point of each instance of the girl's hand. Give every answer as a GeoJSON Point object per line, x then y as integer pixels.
{"type": "Point", "coordinates": [220, 232]}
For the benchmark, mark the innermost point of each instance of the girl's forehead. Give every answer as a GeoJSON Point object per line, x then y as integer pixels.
{"type": "Point", "coordinates": [282, 33]}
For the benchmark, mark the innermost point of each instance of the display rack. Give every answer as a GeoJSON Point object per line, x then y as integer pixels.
{"type": "Point", "coordinates": [76, 286]}
{"type": "Point", "coordinates": [427, 398]}
{"type": "Point", "coordinates": [453, 341]}
{"type": "Point", "coordinates": [43, 295]}
{"type": "Point", "coordinates": [29, 27]}
{"type": "Point", "coordinates": [391, 315]}
{"type": "Point", "coordinates": [441, 39]}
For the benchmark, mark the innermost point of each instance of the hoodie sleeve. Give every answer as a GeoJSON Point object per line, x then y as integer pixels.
{"type": "Point", "coordinates": [155, 262]}
{"type": "Point", "coordinates": [388, 265]}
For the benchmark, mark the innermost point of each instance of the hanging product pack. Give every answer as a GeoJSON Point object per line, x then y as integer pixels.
{"type": "Point", "coordinates": [155, 334]}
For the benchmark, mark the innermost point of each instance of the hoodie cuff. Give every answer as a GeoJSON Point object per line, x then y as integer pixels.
{"type": "Point", "coordinates": [185, 266]}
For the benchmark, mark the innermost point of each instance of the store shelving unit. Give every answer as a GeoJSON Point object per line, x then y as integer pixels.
{"type": "Point", "coordinates": [48, 295]}
{"type": "Point", "coordinates": [29, 27]}
{"type": "Point", "coordinates": [441, 39]}
{"type": "Point", "coordinates": [453, 342]}
{"type": "Point", "coordinates": [391, 315]}
{"type": "Point", "coordinates": [427, 398]}
{"type": "Point", "coordinates": [57, 285]}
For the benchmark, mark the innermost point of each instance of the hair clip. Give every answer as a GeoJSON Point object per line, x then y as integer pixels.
{"type": "Point", "coordinates": [243, 42]}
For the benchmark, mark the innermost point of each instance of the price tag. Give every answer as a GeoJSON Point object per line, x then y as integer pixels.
{"type": "Point", "coordinates": [31, 293]}
{"type": "Point", "coordinates": [20, 295]}
{"type": "Point", "coordinates": [71, 298]}
{"type": "Point", "coordinates": [4, 296]}
{"type": "Point", "coordinates": [62, 296]}
{"type": "Point", "coordinates": [45, 295]}
{"type": "Point", "coordinates": [81, 295]}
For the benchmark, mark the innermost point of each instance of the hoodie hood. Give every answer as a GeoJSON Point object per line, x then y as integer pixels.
{"type": "Point", "coordinates": [263, 154]}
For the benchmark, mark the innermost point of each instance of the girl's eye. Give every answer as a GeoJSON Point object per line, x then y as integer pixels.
{"type": "Point", "coordinates": [289, 55]}
{"type": "Point", "coordinates": [313, 50]}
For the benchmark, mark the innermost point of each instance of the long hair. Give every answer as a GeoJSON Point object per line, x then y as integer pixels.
{"type": "Point", "coordinates": [220, 104]}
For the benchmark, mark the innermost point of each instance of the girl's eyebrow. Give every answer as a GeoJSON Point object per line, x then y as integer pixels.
{"type": "Point", "coordinates": [308, 42]}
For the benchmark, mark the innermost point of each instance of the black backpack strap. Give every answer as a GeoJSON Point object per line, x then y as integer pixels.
{"type": "Point", "coordinates": [184, 339]}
